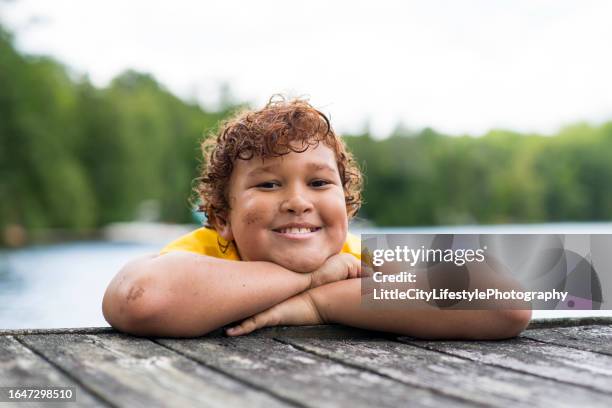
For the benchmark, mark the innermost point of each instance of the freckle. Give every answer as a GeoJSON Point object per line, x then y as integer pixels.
{"type": "Point", "coordinates": [195, 293]}
{"type": "Point", "coordinates": [135, 293]}
{"type": "Point", "coordinates": [251, 218]}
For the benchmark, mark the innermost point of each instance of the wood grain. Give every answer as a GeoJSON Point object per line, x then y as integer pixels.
{"type": "Point", "coordinates": [450, 375]}
{"type": "Point", "coordinates": [21, 367]}
{"type": "Point", "coordinates": [136, 372]}
{"type": "Point", "coordinates": [303, 377]}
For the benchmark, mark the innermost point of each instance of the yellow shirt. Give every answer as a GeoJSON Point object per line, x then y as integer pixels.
{"type": "Point", "coordinates": [203, 241]}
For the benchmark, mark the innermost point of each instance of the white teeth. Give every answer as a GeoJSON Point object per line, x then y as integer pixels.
{"type": "Point", "coordinates": [296, 230]}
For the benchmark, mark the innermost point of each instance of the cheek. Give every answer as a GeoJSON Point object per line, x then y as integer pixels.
{"type": "Point", "coordinates": [335, 209]}
{"type": "Point", "coordinates": [252, 212]}
{"type": "Point", "coordinates": [251, 217]}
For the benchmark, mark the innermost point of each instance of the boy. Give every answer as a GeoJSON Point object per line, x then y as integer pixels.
{"type": "Point", "coordinates": [278, 188]}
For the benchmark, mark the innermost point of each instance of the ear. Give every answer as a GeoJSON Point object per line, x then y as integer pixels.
{"type": "Point", "coordinates": [224, 227]}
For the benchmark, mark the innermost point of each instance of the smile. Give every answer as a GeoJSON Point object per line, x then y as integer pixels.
{"type": "Point", "coordinates": [296, 233]}
{"type": "Point", "coordinates": [294, 230]}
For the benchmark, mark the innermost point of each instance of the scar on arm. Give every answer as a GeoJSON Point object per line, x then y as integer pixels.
{"type": "Point", "coordinates": [135, 293]}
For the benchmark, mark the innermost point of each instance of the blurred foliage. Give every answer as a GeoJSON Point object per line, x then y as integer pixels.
{"type": "Point", "coordinates": [426, 178]}
{"type": "Point", "coordinates": [76, 156]}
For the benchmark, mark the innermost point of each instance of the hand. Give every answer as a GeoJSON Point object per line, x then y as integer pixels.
{"type": "Point", "coordinates": [337, 267]}
{"type": "Point", "coordinates": [299, 310]}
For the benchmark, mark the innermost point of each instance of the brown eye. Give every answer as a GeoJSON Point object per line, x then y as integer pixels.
{"type": "Point", "coordinates": [268, 185]}
{"type": "Point", "coordinates": [319, 183]}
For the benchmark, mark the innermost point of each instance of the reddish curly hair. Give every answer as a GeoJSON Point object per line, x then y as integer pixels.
{"type": "Point", "coordinates": [279, 128]}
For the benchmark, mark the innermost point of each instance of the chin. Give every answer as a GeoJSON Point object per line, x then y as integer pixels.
{"type": "Point", "coordinates": [302, 265]}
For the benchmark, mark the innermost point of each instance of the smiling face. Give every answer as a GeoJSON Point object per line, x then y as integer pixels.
{"type": "Point", "coordinates": [289, 210]}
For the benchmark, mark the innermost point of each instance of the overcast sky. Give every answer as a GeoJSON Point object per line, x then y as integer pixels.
{"type": "Point", "coordinates": [456, 65]}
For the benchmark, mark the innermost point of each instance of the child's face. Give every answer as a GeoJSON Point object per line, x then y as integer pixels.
{"type": "Point", "coordinates": [289, 210]}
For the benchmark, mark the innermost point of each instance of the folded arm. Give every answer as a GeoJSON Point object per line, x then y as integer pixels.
{"type": "Point", "coordinates": [341, 302]}
{"type": "Point", "coordinates": [181, 294]}
{"type": "Point", "coordinates": [184, 294]}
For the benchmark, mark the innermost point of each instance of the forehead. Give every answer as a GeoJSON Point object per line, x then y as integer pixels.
{"type": "Point", "coordinates": [319, 157]}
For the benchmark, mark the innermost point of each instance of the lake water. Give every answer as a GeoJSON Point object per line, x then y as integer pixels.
{"type": "Point", "coordinates": [62, 285]}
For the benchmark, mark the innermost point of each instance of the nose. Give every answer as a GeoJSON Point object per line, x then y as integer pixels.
{"type": "Point", "coordinates": [296, 202]}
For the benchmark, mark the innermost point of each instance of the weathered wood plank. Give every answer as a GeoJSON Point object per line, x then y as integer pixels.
{"type": "Point", "coordinates": [20, 367]}
{"type": "Point", "coordinates": [591, 338]}
{"type": "Point", "coordinates": [136, 372]}
{"type": "Point", "coordinates": [328, 331]}
{"type": "Point", "coordinates": [303, 377]}
{"type": "Point", "coordinates": [449, 375]}
{"type": "Point", "coordinates": [70, 330]}
{"type": "Point", "coordinates": [558, 363]}
{"type": "Point", "coordinates": [547, 323]}
{"type": "Point", "coordinates": [321, 366]}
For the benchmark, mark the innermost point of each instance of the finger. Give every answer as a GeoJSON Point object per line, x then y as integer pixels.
{"type": "Point", "coordinates": [355, 268]}
{"type": "Point", "coordinates": [246, 327]}
{"type": "Point", "coordinates": [249, 325]}
{"type": "Point", "coordinates": [242, 329]}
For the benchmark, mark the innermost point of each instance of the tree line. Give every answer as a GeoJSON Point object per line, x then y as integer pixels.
{"type": "Point", "coordinates": [76, 156]}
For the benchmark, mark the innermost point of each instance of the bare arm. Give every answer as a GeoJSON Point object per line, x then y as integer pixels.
{"type": "Point", "coordinates": [182, 294]}
{"type": "Point", "coordinates": [340, 302]}
{"type": "Point", "coordinates": [186, 294]}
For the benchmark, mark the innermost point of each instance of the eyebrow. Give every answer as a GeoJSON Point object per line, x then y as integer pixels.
{"type": "Point", "coordinates": [271, 167]}
{"type": "Point", "coordinates": [264, 169]}
{"type": "Point", "coordinates": [320, 166]}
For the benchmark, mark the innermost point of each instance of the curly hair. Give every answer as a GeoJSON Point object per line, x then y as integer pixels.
{"type": "Point", "coordinates": [279, 128]}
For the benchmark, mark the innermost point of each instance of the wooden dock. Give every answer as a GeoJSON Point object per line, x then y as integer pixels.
{"type": "Point", "coordinates": [553, 363]}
